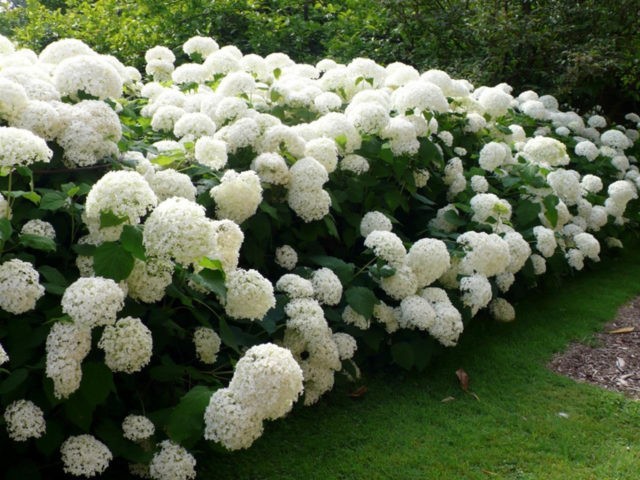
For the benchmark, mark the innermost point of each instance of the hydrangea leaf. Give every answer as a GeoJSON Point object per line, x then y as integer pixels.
{"type": "Point", "coordinates": [362, 300]}
{"type": "Point", "coordinates": [131, 240]}
{"type": "Point", "coordinates": [111, 260]}
{"type": "Point", "coordinates": [186, 422]}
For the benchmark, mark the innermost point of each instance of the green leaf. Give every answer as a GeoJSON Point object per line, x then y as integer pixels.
{"type": "Point", "coordinates": [550, 202]}
{"type": "Point", "coordinates": [52, 439]}
{"type": "Point", "coordinates": [84, 249]}
{"type": "Point", "coordinates": [526, 212]}
{"type": "Point", "coordinates": [14, 380]}
{"type": "Point", "coordinates": [227, 336]}
{"type": "Point", "coordinates": [402, 354]}
{"type": "Point", "coordinates": [131, 240]}
{"type": "Point", "coordinates": [213, 280]}
{"type": "Point", "coordinates": [276, 73]}
{"type": "Point", "coordinates": [341, 140]}
{"type": "Point", "coordinates": [269, 210]}
{"type": "Point", "coordinates": [79, 411]}
{"type": "Point", "coordinates": [5, 229]}
{"type": "Point", "coordinates": [362, 300]}
{"type": "Point", "coordinates": [186, 422]}
{"type": "Point", "coordinates": [55, 281]}
{"type": "Point", "coordinates": [452, 217]}
{"type": "Point", "coordinates": [342, 269]}
{"type": "Point", "coordinates": [166, 373]}
{"type": "Point", "coordinates": [110, 219]}
{"type": "Point", "coordinates": [38, 242]}
{"type": "Point", "coordinates": [331, 226]}
{"type": "Point", "coordinates": [111, 260]}
{"type": "Point", "coordinates": [97, 382]}
{"type": "Point", "coordinates": [386, 154]}
{"type": "Point", "coordinates": [53, 200]}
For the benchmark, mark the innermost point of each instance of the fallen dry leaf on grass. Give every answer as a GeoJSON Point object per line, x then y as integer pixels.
{"type": "Point", "coordinates": [358, 392]}
{"type": "Point", "coordinates": [464, 379]}
{"type": "Point", "coordinates": [622, 330]}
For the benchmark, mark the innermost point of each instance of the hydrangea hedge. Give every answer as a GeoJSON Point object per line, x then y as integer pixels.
{"type": "Point", "coordinates": [186, 256]}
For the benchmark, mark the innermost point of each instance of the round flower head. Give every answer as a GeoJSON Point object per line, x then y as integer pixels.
{"type": "Point", "coordinates": [179, 229]}
{"type": "Point", "coordinates": [148, 280]}
{"type": "Point", "coordinates": [373, 221]}
{"type": "Point", "coordinates": [207, 343]}
{"type": "Point", "coordinates": [4, 358]}
{"type": "Point", "coordinates": [211, 152]}
{"type": "Point", "coordinates": [40, 228]}
{"type": "Point", "coordinates": [238, 195]}
{"type": "Point", "coordinates": [476, 292]}
{"type": "Point", "coordinates": [271, 168]}
{"type": "Point", "coordinates": [615, 139]}
{"type": "Point", "coordinates": [356, 164]}
{"type": "Point", "coordinates": [123, 193]}
{"type": "Point", "coordinates": [428, 258]}
{"type": "Point", "coordinates": [324, 150]}
{"type": "Point", "coordinates": [24, 420]}
{"type": "Point", "coordinates": [268, 380]}
{"type": "Point", "coordinates": [196, 124]}
{"type": "Point", "coordinates": [387, 246]}
{"type": "Point", "coordinates": [486, 254]}
{"type": "Point", "coordinates": [416, 312]}
{"type": "Point", "coordinates": [127, 345]}
{"type": "Point", "coordinates": [502, 310]}
{"type": "Point", "coordinates": [230, 421]}
{"type": "Point", "coordinates": [286, 257]}
{"type": "Point", "coordinates": [172, 462]}
{"type": "Point", "coordinates": [93, 301]}
{"type": "Point", "coordinates": [14, 99]}
{"type": "Point", "coordinates": [85, 455]}
{"type": "Point", "coordinates": [351, 317]}
{"type": "Point", "coordinates": [249, 295]}
{"type": "Point", "coordinates": [171, 183]}
{"type": "Point", "coordinates": [546, 240]}
{"type": "Point", "coordinates": [203, 46]}
{"type": "Point", "coordinates": [89, 74]}
{"type": "Point", "coordinates": [418, 96]}
{"type": "Point", "coordinates": [546, 151]}
{"type": "Point", "coordinates": [294, 286]}
{"type": "Point", "coordinates": [493, 155]}
{"type": "Point", "coordinates": [67, 345]}
{"type": "Point", "coordinates": [587, 149]}
{"type": "Point", "coordinates": [346, 344]}
{"type": "Point", "coordinates": [327, 287]}
{"type": "Point", "coordinates": [495, 101]}
{"type": "Point", "coordinates": [57, 51]}
{"type": "Point", "coordinates": [401, 284]}
{"type": "Point", "coordinates": [479, 184]}
{"type": "Point", "coordinates": [20, 286]}
{"type": "Point", "coordinates": [20, 147]}
{"type": "Point", "coordinates": [137, 427]}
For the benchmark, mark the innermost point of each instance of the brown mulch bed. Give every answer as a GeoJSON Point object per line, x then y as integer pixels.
{"type": "Point", "coordinates": [613, 360]}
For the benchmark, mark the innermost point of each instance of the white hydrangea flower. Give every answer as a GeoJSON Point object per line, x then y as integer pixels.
{"type": "Point", "coordinates": [386, 315]}
{"type": "Point", "coordinates": [271, 168]}
{"type": "Point", "coordinates": [493, 155]}
{"type": "Point", "coordinates": [504, 281]}
{"type": "Point", "coordinates": [5, 209]}
{"type": "Point", "coordinates": [203, 46]}
{"type": "Point", "coordinates": [286, 257]}
{"type": "Point", "coordinates": [428, 258]}
{"type": "Point", "coordinates": [196, 124]}
{"type": "Point", "coordinates": [238, 195]}
{"type": "Point", "coordinates": [249, 295]}
{"type": "Point", "coordinates": [354, 163]}
{"type": "Point", "coordinates": [4, 357]}
{"type": "Point", "coordinates": [485, 254]}
{"type": "Point", "coordinates": [309, 205]}
{"type": "Point", "coordinates": [165, 118]}
{"type": "Point", "coordinates": [519, 251]}
{"type": "Point", "coordinates": [171, 183]}
{"type": "Point", "coordinates": [479, 184]}
{"type": "Point", "coordinates": [190, 73]}
{"type": "Point", "coordinates": [20, 286]}
{"type": "Point", "coordinates": [401, 284]}
{"type": "Point", "coordinates": [418, 96]}
{"type": "Point", "coordinates": [402, 136]}
{"type": "Point", "coordinates": [495, 101]}
{"type": "Point", "coordinates": [575, 258]}
{"type": "Point", "coordinates": [172, 462]}
{"type": "Point", "coordinates": [14, 99]}
{"type": "Point", "coordinates": [566, 185]}
{"type": "Point", "coordinates": [616, 140]}
{"type": "Point", "coordinates": [148, 280]}
{"type": "Point", "coordinates": [230, 422]}
{"type": "Point", "coordinates": [476, 292]}
{"type": "Point", "coordinates": [546, 240]}
{"type": "Point", "coordinates": [488, 205]}
{"type": "Point", "coordinates": [323, 150]}
{"type": "Point", "coordinates": [327, 287]}
{"type": "Point", "coordinates": [211, 152]}
{"type": "Point", "coordinates": [346, 344]}
{"type": "Point", "coordinates": [373, 221]}
{"type": "Point", "coordinates": [40, 228]}
{"type": "Point", "coordinates": [294, 286]}
{"type": "Point", "coordinates": [268, 380]}
{"type": "Point", "coordinates": [448, 325]}
{"type": "Point", "coordinates": [591, 183]}
{"type": "Point", "coordinates": [416, 312]}
{"type": "Point", "coordinates": [137, 428]}
{"type": "Point", "coordinates": [90, 74]}
{"type": "Point", "coordinates": [85, 455]}
{"type": "Point", "coordinates": [127, 345]}
{"type": "Point", "coordinates": [24, 420]}
{"type": "Point", "coordinates": [502, 310]}
{"type": "Point", "coordinates": [588, 245]}
{"type": "Point", "coordinates": [93, 301]}
{"type": "Point", "coordinates": [67, 345]}
{"type": "Point", "coordinates": [123, 193]}
{"type": "Point", "coordinates": [179, 229]}
{"type": "Point", "coordinates": [351, 317]}
{"type": "Point", "coordinates": [587, 149]}
{"type": "Point", "coordinates": [546, 151]}
{"type": "Point", "coordinates": [20, 147]}
{"type": "Point", "coordinates": [207, 343]}
{"type": "Point", "coordinates": [387, 246]}
{"type": "Point", "coordinates": [539, 264]}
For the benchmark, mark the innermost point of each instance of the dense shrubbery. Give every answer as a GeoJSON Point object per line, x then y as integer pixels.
{"type": "Point", "coordinates": [184, 257]}
{"type": "Point", "coordinates": [585, 53]}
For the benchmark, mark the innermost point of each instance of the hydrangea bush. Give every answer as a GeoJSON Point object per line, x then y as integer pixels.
{"type": "Point", "coordinates": [186, 254]}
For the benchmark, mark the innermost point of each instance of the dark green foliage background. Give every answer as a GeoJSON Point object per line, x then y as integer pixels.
{"type": "Point", "coordinates": [585, 52]}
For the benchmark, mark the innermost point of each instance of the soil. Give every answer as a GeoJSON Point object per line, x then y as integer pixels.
{"type": "Point", "coordinates": [612, 361]}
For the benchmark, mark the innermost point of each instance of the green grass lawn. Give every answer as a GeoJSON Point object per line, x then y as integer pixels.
{"type": "Point", "coordinates": [401, 429]}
